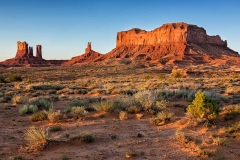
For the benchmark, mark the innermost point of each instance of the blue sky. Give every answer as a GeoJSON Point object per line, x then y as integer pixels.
{"type": "Point", "coordinates": [63, 27]}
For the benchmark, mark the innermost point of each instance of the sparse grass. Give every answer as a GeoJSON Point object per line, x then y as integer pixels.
{"type": "Point", "coordinates": [64, 156]}
{"type": "Point", "coordinates": [86, 137]}
{"type": "Point", "coordinates": [181, 137]}
{"type": "Point", "coordinates": [55, 128]}
{"type": "Point", "coordinates": [230, 112]}
{"type": "Point", "coordinates": [133, 109]}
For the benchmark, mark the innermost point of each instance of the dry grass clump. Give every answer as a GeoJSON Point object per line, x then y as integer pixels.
{"type": "Point", "coordinates": [104, 106]}
{"type": "Point", "coordinates": [17, 99]}
{"type": "Point", "coordinates": [161, 117]}
{"type": "Point", "coordinates": [38, 138]}
{"type": "Point", "coordinates": [54, 116]}
{"type": "Point", "coordinates": [123, 115]}
{"type": "Point", "coordinates": [79, 112]}
{"type": "Point", "coordinates": [39, 116]}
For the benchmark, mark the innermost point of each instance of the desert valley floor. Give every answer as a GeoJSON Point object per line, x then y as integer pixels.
{"type": "Point", "coordinates": [116, 112]}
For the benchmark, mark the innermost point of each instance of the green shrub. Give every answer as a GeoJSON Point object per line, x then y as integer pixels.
{"type": "Point", "coordinates": [39, 116]}
{"type": "Point", "coordinates": [203, 107]}
{"type": "Point", "coordinates": [28, 109]}
{"type": "Point", "coordinates": [44, 104]}
{"type": "Point", "coordinates": [15, 78]}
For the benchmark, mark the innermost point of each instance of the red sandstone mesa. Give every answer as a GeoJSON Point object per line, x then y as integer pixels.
{"type": "Point", "coordinates": [39, 51]}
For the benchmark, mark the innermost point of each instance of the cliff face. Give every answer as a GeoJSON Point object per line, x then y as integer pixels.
{"type": "Point", "coordinates": [168, 33]}
{"type": "Point", "coordinates": [170, 43]}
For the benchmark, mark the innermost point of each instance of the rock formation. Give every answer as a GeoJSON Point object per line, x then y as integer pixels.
{"type": "Point", "coordinates": [30, 52]}
{"type": "Point", "coordinates": [89, 56]}
{"type": "Point", "coordinates": [170, 43]}
{"type": "Point", "coordinates": [22, 49]}
{"type": "Point", "coordinates": [25, 57]}
{"type": "Point", "coordinates": [89, 48]}
{"type": "Point", "coordinates": [39, 51]}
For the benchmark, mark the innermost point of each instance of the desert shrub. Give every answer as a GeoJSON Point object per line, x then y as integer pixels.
{"type": "Point", "coordinates": [146, 98]}
{"type": "Point", "coordinates": [28, 109]}
{"type": "Point", "coordinates": [55, 128]}
{"type": "Point", "coordinates": [181, 137]}
{"type": "Point", "coordinates": [14, 78]}
{"type": "Point", "coordinates": [203, 107]}
{"type": "Point", "coordinates": [54, 116]}
{"type": "Point", "coordinates": [79, 112]}
{"type": "Point", "coordinates": [43, 104]}
{"type": "Point", "coordinates": [38, 138]}
{"type": "Point", "coordinates": [5, 99]}
{"type": "Point", "coordinates": [2, 80]}
{"type": "Point", "coordinates": [104, 106]}
{"type": "Point", "coordinates": [75, 103]}
{"type": "Point", "coordinates": [86, 137]}
{"type": "Point", "coordinates": [123, 115]}
{"type": "Point", "coordinates": [177, 73]}
{"type": "Point", "coordinates": [161, 117]}
{"type": "Point", "coordinates": [17, 99]}
{"type": "Point", "coordinates": [39, 116]}
{"type": "Point", "coordinates": [133, 109]}
{"type": "Point", "coordinates": [29, 81]}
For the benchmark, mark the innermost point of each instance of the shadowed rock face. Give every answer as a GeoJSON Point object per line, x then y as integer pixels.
{"type": "Point", "coordinates": [39, 51]}
{"type": "Point", "coordinates": [30, 52]}
{"type": "Point", "coordinates": [22, 49]}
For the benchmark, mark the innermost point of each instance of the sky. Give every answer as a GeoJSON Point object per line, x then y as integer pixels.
{"type": "Point", "coordinates": [63, 27]}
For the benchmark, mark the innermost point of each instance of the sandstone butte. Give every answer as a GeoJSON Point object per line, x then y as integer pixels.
{"type": "Point", "coordinates": [172, 43]}
{"type": "Point", "coordinates": [25, 57]}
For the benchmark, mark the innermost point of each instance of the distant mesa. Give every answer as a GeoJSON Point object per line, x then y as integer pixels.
{"type": "Point", "coordinates": [25, 57]}
{"type": "Point", "coordinates": [171, 44]}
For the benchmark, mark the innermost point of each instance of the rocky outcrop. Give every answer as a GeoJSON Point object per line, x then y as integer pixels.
{"type": "Point", "coordinates": [22, 49]}
{"type": "Point", "coordinates": [39, 51]}
{"type": "Point", "coordinates": [30, 52]}
{"type": "Point", "coordinates": [89, 56]}
{"type": "Point", "coordinates": [25, 57]}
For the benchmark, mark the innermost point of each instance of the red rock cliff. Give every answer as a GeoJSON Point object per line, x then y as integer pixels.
{"type": "Point", "coordinates": [168, 33]}
{"type": "Point", "coordinates": [22, 49]}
